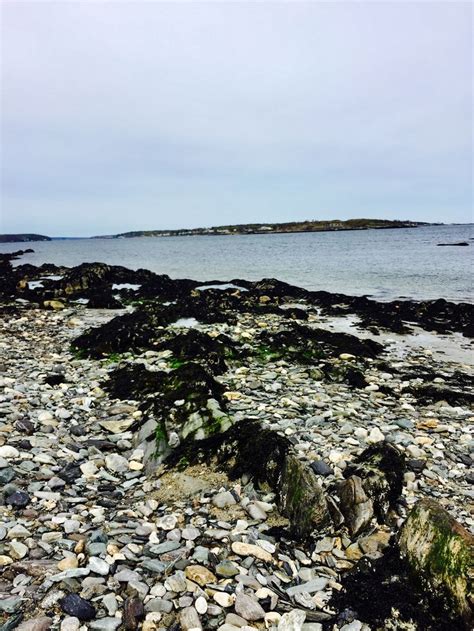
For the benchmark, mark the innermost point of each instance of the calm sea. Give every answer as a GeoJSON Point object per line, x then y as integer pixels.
{"type": "Point", "coordinates": [386, 264]}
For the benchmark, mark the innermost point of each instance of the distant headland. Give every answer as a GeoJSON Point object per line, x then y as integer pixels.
{"type": "Point", "coordinates": [269, 228]}
{"type": "Point", "coordinates": [22, 238]}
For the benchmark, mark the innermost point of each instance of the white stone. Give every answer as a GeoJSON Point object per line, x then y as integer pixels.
{"type": "Point", "coordinates": [375, 436]}
{"type": "Point", "coordinates": [70, 624]}
{"type": "Point", "coordinates": [8, 452]}
{"type": "Point", "coordinates": [116, 463]}
{"type": "Point", "coordinates": [201, 605]}
{"type": "Point", "coordinates": [89, 469]}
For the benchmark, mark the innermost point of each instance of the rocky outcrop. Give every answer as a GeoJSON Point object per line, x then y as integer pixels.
{"type": "Point", "coordinates": [247, 448]}
{"type": "Point", "coordinates": [440, 553]}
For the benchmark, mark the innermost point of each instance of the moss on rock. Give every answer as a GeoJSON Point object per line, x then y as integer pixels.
{"type": "Point", "coordinates": [440, 552]}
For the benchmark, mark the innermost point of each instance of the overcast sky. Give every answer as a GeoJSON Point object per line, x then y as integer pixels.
{"type": "Point", "coordinates": [128, 116]}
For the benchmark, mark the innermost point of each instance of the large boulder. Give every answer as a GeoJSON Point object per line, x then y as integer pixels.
{"type": "Point", "coordinates": [440, 553]}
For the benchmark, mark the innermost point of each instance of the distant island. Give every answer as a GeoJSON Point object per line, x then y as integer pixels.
{"type": "Point", "coordinates": [332, 225]}
{"type": "Point", "coordinates": [22, 238]}
{"type": "Point", "coordinates": [272, 228]}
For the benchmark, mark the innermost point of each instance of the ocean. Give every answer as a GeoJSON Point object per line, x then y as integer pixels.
{"type": "Point", "coordinates": [384, 264]}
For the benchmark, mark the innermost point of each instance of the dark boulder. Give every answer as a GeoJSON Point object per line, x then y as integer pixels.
{"type": "Point", "coordinates": [381, 468]}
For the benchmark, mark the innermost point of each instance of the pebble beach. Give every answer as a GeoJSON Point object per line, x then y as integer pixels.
{"type": "Point", "coordinates": [107, 522]}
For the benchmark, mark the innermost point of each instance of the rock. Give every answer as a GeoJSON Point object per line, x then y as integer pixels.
{"type": "Point", "coordinates": [375, 436]}
{"type": "Point", "coordinates": [176, 583]}
{"type": "Point", "coordinates": [56, 305]}
{"type": "Point", "coordinates": [200, 575]}
{"type": "Point", "coordinates": [167, 522]}
{"type": "Point", "coordinates": [18, 550]}
{"type": "Point", "coordinates": [68, 563]}
{"type": "Point", "coordinates": [43, 623]}
{"type": "Point", "coordinates": [10, 605]}
{"type": "Point", "coordinates": [89, 469]}
{"type": "Point", "coordinates": [321, 468]}
{"type": "Point", "coordinates": [441, 554]}
{"type": "Point", "coordinates": [78, 607]}
{"type": "Point", "coordinates": [70, 624]}
{"type": "Point", "coordinates": [355, 625]}
{"type": "Point", "coordinates": [221, 500]}
{"type": "Point", "coordinates": [356, 507]}
{"type": "Point", "coordinates": [248, 549]}
{"type": "Point", "coordinates": [99, 566]}
{"type": "Point", "coordinates": [25, 426]}
{"type": "Point", "coordinates": [18, 531]}
{"type": "Point", "coordinates": [5, 560]}
{"type": "Point", "coordinates": [224, 599]}
{"type": "Point", "coordinates": [8, 452]}
{"type": "Point", "coordinates": [105, 624]}
{"type": "Point", "coordinates": [117, 427]}
{"type": "Point", "coordinates": [133, 612]}
{"type": "Point", "coordinates": [381, 469]}
{"type": "Point", "coordinates": [201, 605]}
{"type": "Point", "coordinates": [190, 533]}
{"type": "Point", "coordinates": [18, 499]}
{"type": "Point", "coordinates": [301, 497]}
{"type": "Point", "coordinates": [248, 607]}
{"type": "Point", "coordinates": [316, 585]}
{"type": "Point", "coordinates": [6, 475]}
{"type": "Point", "coordinates": [292, 621]}
{"type": "Point", "coordinates": [116, 463]}
{"type": "Point", "coordinates": [227, 569]}
{"type": "Point", "coordinates": [189, 619]}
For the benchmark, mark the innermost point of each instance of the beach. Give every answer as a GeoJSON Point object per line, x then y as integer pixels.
{"type": "Point", "coordinates": [249, 454]}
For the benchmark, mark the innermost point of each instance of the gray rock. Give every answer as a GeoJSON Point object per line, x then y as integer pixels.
{"type": "Point", "coordinates": [99, 566]}
{"type": "Point", "coordinates": [316, 585]}
{"type": "Point", "coordinates": [189, 619]}
{"type": "Point", "coordinates": [105, 624]}
{"type": "Point", "coordinates": [356, 507]}
{"type": "Point", "coordinates": [247, 607]}
{"type": "Point", "coordinates": [223, 499]}
{"type": "Point", "coordinates": [10, 605]}
{"type": "Point", "coordinates": [292, 621]}
{"type": "Point", "coordinates": [42, 623]}
{"type": "Point", "coordinates": [159, 604]}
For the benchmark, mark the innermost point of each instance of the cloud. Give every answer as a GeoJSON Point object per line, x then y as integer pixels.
{"type": "Point", "coordinates": [118, 116]}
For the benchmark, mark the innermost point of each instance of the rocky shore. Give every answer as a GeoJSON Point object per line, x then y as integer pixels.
{"type": "Point", "coordinates": [242, 455]}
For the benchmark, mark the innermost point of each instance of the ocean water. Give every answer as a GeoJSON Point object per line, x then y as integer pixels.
{"type": "Point", "coordinates": [385, 264]}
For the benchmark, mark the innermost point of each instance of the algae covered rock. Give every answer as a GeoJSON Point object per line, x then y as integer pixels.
{"type": "Point", "coordinates": [187, 401]}
{"type": "Point", "coordinates": [440, 553]}
{"type": "Point", "coordinates": [307, 345]}
{"type": "Point", "coordinates": [381, 468]}
{"type": "Point", "coordinates": [301, 497]}
{"type": "Point", "coordinates": [194, 345]}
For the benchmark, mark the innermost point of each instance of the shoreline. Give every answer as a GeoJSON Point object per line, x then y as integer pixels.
{"type": "Point", "coordinates": [114, 422]}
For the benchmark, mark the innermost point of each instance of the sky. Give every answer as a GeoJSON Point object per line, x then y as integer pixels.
{"type": "Point", "coordinates": [121, 116]}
